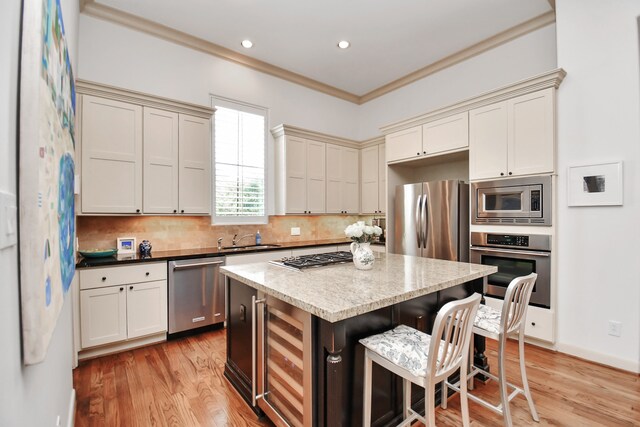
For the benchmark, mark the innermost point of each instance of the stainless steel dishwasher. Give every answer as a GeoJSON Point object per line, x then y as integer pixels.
{"type": "Point", "coordinates": [196, 294]}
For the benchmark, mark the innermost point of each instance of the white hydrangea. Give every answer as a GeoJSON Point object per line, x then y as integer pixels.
{"type": "Point", "coordinates": [361, 233]}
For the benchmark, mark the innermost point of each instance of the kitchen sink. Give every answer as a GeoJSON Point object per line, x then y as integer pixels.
{"type": "Point", "coordinates": [248, 247]}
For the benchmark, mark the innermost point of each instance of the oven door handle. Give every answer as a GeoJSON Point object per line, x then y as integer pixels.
{"type": "Point", "coordinates": [507, 251]}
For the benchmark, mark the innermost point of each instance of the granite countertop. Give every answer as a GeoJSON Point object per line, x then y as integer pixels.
{"type": "Point", "coordinates": [197, 253]}
{"type": "Point", "coordinates": [340, 291]}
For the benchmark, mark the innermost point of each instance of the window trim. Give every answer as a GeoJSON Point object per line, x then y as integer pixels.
{"type": "Point", "coordinates": [247, 108]}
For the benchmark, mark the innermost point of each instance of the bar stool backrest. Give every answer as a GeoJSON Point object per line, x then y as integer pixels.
{"type": "Point", "coordinates": [453, 324]}
{"type": "Point", "coordinates": [516, 301]}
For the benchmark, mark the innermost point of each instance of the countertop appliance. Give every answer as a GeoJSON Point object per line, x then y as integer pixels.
{"type": "Point", "coordinates": [196, 294]}
{"type": "Point", "coordinates": [432, 220]}
{"type": "Point", "coordinates": [515, 255]}
{"type": "Point", "coordinates": [315, 260]}
{"type": "Point", "coordinates": [512, 201]}
{"type": "Point", "coordinates": [382, 223]}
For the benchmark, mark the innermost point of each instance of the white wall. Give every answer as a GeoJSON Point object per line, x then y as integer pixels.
{"type": "Point", "coordinates": [531, 54]}
{"type": "Point", "coordinates": [125, 58]}
{"type": "Point", "coordinates": [33, 395]}
{"type": "Point", "coordinates": [598, 121]}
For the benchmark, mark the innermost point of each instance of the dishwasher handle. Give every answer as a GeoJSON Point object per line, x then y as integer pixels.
{"type": "Point", "coordinates": [194, 265]}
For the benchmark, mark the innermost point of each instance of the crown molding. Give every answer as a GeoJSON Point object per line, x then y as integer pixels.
{"type": "Point", "coordinates": [372, 141]}
{"type": "Point", "coordinates": [105, 91]}
{"type": "Point", "coordinates": [474, 50]}
{"type": "Point", "coordinates": [288, 130]}
{"type": "Point", "coordinates": [541, 81]}
{"type": "Point", "coordinates": [100, 11]}
{"type": "Point", "coordinates": [552, 3]}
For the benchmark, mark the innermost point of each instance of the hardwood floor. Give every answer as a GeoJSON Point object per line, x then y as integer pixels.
{"type": "Point", "coordinates": [181, 383]}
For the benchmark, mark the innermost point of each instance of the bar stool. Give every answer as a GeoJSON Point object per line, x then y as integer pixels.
{"type": "Point", "coordinates": [500, 325]}
{"type": "Point", "coordinates": [424, 361]}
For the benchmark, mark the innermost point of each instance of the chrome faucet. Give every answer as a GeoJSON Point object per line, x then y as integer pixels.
{"type": "Point", "coordinates": [235, 242]}
{"type": "Point", "coordinates": [220, 244]}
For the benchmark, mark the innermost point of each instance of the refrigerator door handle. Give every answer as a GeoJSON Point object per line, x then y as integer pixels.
{"type": "Point", "coordinates": [425, 224]}
{"type": "Point", "coordinates": [418, 219]}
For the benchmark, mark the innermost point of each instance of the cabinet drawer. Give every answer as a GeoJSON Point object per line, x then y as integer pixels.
{"type": "Point", "coordinates": [540, 321]}
{"type": "Point", "coordinates": [540, 324]}
{"type": "Point", "coordinates": [121, 275]}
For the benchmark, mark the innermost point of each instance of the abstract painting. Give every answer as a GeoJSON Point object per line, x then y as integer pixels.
{"type": "Point", "coordinates": [46, 175]}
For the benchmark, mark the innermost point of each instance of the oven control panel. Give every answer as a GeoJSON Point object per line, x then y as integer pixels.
{"type": "Point", "coordinates": [508, 240]}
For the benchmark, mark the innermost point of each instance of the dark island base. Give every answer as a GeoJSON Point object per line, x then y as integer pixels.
{"type": "Point", "coordinates": [339, 359]}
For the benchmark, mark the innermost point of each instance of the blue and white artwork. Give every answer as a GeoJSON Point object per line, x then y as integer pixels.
{"type": "Point", "coordinates": [46, 175]}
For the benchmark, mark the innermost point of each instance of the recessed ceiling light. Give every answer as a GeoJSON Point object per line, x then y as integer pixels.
{"type": "Point", "coordinates": [343, 44]}
{"type": "Point", "coordinates": [247, 44]}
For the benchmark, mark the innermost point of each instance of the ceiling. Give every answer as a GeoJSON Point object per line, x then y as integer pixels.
{"type": "Point", "coordinates": [389, 39]}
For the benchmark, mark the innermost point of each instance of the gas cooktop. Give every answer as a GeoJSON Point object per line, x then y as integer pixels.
{"type": "Point", "coordinates": [316, 260]}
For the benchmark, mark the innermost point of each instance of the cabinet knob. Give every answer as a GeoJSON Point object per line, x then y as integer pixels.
{"type": "Point", "coordinates": [418, 153]}
{"type": "Point", "coordinates": [533, 323]}
{"type": "Point", "coordinates": [130, 288]}
{"type": "Point", "coordinates": [104, 279]}
{"type": "Point", "coordinates": [121, 289]}
{"type": "Point", "coordinates": [424, 152]}
{"type": "Point", "coordinates": [182, 211]}
{"type": "Point", "coordinates": [175, 211]}
{"type": "Point", "coordinates": [137, 210]}
{"type": "Point", "coordinates": [510, 173]}
{"type": "Point", "coordinates": [146, 274]}
{"type": "Point", "coordinates": [501, 173]}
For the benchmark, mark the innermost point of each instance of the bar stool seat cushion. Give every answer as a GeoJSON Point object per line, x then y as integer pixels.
{"type": "Point", "coordinates": [488, 319]}
{"type": "Point", "coordinates": [405, 347]}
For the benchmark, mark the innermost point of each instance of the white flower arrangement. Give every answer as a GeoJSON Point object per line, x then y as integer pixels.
{"type": "Point", "coordinates": [361, 233]}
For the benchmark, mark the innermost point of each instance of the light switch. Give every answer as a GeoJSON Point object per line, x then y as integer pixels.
{"type": "Point", "coordinates": [8, 220]}
{"type": "Point", "coordinates": [295, 231]}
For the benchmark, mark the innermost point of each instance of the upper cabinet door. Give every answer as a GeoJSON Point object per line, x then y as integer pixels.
{"type": "Point", "coordinates": [160, 161]}
{"type": "Point", "coordinates": [370, 172]}
{"type": "Point", "coordinates": [404, 144]}
{"type": "Point", "coordinates": [488, 138]}
{"type": "Point", "coordinates": [316, 177]}
{"type": "Point", "coordinates": [194, 165]}
{"type": "Point", "coordinates": [382, 179]}
{"type": "Point", "coordinates": [531, 133]}
{"type": "Point", "coordinates": [350, 180]}
{"type": "Point", "coordinates": [296, 175]}
{"type": "Point", "coordinates": [111, 138]}
{"type": "Point", "coordinates": [449, 133]}
{"type": "Point", "coordinates": [334, 179]}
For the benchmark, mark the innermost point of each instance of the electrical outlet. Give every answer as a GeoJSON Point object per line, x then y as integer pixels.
{"type": "Point", "coordinates": [295, 231]}
{"type": "Point", "coordinates": [615, 328]}
{"type": "Point", "coordinates": [58, 421]}
{"type": "Point", "coordinates": [8, 220]}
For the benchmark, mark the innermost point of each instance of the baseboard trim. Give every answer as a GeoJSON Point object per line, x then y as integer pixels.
{"type": "Point", "coordinates": [107, 349]}
{"type": "Point", "coordinates": [601, 358]}
{"type": "Point", "coordinates": [71, 416]}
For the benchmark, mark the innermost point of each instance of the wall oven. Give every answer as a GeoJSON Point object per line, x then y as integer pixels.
{"type": "Point", "coordinates": [515, 255]}
{"type": "Point", "coordinates": [515, 201]}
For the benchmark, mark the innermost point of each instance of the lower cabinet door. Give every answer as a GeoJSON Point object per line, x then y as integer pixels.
{"type": "Point", "coordinates": [146, 308]}
{"type": "Point", "coordinates": [103, 316]}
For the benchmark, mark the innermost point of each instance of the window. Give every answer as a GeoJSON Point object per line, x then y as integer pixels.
{"type": "Point", "coordinates": [239, 135]}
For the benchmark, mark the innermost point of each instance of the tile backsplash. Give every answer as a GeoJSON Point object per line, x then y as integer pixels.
{"type": "Point", "coordinates": [168, 232]}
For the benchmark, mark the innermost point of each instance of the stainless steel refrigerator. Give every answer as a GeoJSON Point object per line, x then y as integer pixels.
{"type": "Point", "coordinates": [432, 220]}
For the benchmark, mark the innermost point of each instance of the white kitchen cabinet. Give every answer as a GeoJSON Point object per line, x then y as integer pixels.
{"type": "Point", "coordinates": [513, 137]}
{"type": "Point", "coordinates": [404, 144]}
{"type": "Point", "coordinates": [194, 165]}
{"type": "Point", "coordinates": [342, 179]}
{"type": "Point", "coordinates": [111, 135]}
{"type": "Point", "coordinates": [103, 317]}
{"type": "Point", "coordinates": [373, 188]}
{"type": "Point", "coordinates": [540, 321]}
{"type": "Point", "coordinates": [436, 137]}
{"type": "Point", "coordinates": [146, 308]}
{"type": "Point", "coordinates": [142, 154]}
{"type": "Point", "coordinates": [447, 134]}
{"type": "Point", "coordinates": [122, 303]}
{"type": "Point", "coordinates": [160, 143]}
{"type": "Point", "coordinates": [304, 187]}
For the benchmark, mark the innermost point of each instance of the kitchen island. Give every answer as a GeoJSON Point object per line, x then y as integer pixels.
{"type": "Point", "coordinates": [293, 335]}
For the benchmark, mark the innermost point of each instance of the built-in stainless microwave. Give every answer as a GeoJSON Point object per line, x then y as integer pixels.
{"type": "Point", "coordinates": [512, 201]}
